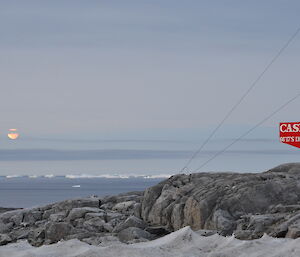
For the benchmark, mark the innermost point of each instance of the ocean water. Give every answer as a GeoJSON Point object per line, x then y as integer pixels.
{"type": "Point", "coordinates": [37, 171]}
{"type": "Point", "coordinates": [35, 191]}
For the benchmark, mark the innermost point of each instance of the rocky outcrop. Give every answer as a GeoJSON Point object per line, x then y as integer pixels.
{"type": "Point", "coordinates": [7, 209]}
{"type": "Point", "coordinates": [92, 220]}
{"type": "Point", "coordinates": [245, 204]}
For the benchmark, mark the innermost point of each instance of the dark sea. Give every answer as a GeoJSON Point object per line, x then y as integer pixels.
{"type": "Point", "coordinates": [30, 192]}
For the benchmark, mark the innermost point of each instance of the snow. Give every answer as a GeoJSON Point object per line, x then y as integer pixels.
{"type": "Point", "coordinates": [182, 243]}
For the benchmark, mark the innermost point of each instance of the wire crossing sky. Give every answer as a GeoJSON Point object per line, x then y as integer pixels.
{"type": "Point", "coordinates": [247, 132]}
{"type": "Point", "coordinates": [236, 105]}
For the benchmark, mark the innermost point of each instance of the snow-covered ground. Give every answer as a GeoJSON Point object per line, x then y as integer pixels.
{"type": "Point", "coordinates": [182, 243]}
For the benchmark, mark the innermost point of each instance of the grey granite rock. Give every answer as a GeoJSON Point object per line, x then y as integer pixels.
{"type": "Point", "coordinates": [5, 239]}
{"type": "Point", "coordinates": [105, 240]}
{"type": "Point", "coordinates": [157, 230]}
{"type": "Point", "coordinates": [36, 237]}
{"type": "Point", "coordinates": [113, 215]}
{"type": "Point", "coordinates": [7, 209]}
{"type": "Point", "coordinates": [102, 215]}
{"type": "Point", "coordinates": [78, 213]}
{"type": "Point", "coordinates": [137, 208]}
{"type": "Point", "coordinates": [247, 205]}
{"type": "Point", "coordinates": [6, 227]}
{"type": "Point", "coordinates": [293, 231]}
{"type": "Point", "coordinates": [57, 217]}
{"type": "Point", "coordinates": [77, 218]}
{"type": "Point", "coordinates": [133, 234]}
{"type": "Point", "coordinates": [31, 217]}
{"type": "Point", "coordinates": [123, 206]}
{"type": "Point", "coordinates": [7, 217]}
{"type": "Point", "coordinates": [94, 225]}
{"type": "Point", "coordinates": [131, 221]}
{"type": "Point", "coordinates": [217, 201]}
{"type": "Point", "coordinates": [55, 231]}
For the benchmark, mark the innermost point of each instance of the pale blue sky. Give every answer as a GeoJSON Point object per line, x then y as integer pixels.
{"type": "Point", "coordinates": [143, 70]}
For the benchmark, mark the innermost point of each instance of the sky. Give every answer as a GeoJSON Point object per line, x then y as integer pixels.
{"type": "Point", "coordinates": [142, 76]}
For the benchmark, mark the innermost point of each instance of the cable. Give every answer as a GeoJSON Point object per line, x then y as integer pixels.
{"type": "Point", "coordinates": [246, 133]}
{"type": "Point", "coordinates": [241, 99]}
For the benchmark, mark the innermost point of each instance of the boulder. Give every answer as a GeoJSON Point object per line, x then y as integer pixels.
{"type": "Point", "coordinates": [134, 235]}
{"type": "Point", "coordinates": [131, 221]}
{"type": "Point", "coordinates": [17, 219]}
{"type": "Point", "coordinates": [32, 216]}
{"type": "Point", "coordinates": [6, 227]}
{"type": "Point", "coordinates": [137, 208]}
{"type": "Point", "coordinates": [116, 222]}
{"type": "Point", "coordinates": [56, 217]}
{"type": "Point", "coordinates": [280, 208]}
{"type": "Point", "coordinates": [6, 217]}
{"type": "Point", "coordinates": [101, 215]}
{"type": "Point", "coordinates": [94, 225]}
{"type": "Point", "coordinates": [4, 209]}
{"type": "Point", "coordinates": [76, 203]}
{"type": "Point", "coordinates": [123, 206]}
{"type": "Point", "coordinates": [261, 222]}
{"type": "Point", "coordinates": [48, 212]}
{"type": "Point", "coordinates": [108, 227]}
{"type": "Point", "coordinates": [293, 231]}
{"type": "Point", "coordinates": [78, 223]}
{"type": "Point", "coordinates": [113, 215]}
{"type": "Point", "coordinates": [135, 196]}
{"type": "Point", "coordinates": [81, 234]}
{"type": "Point", "coordinates": [281, 229]}
{"type": "Point", "coordinates": [107, 206]}
{"type": "Point", "coordinates": [36, 237]}
{"type": "Point", "coordinates": [109, 240]}
{"type": "Point", "coordinates": [246, 234]}
{"type": "Point", "coordinates": [103, 240]}
{"type": "Point", "coordinates": [54, 231]}
{"type": "Point", "coordinates": [78, 213]}
{"type": "Point", "coordinates": [224, 222]}
{"type": "Point", "coordinates": [5, 239]}
{"type": "Point", "coordinates": [20, 233]}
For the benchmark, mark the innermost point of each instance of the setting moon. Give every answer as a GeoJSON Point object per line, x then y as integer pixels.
{"type": "Point", "coordinates": [13, 134]}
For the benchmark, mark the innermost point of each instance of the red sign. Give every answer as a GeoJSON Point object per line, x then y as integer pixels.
{"type": "Point", "coordinates": [289, 133]}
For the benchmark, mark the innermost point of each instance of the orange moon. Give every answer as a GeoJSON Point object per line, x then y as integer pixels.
{"type": "Point", "coordinates": [13, 134]}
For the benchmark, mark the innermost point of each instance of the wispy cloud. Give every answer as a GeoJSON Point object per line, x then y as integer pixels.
{"type": "Point", "coordinates": [117, 154]}
{"type": "Point", "coordinates": [142, 140]}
